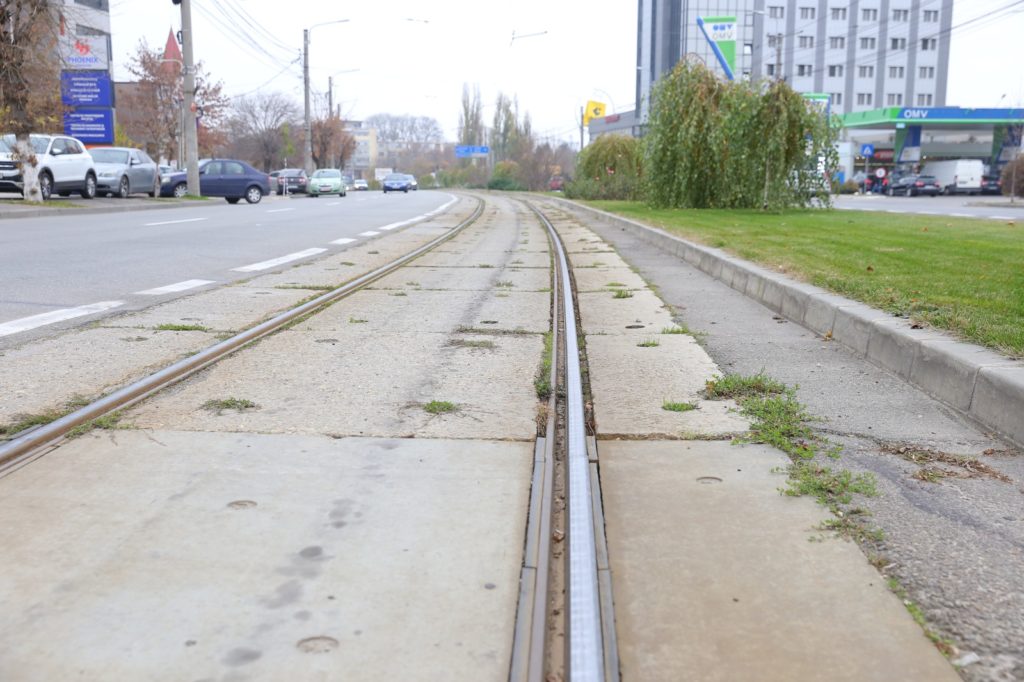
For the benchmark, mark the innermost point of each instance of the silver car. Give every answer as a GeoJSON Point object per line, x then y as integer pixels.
{"type": "Point", "coordinates": [121, 171]}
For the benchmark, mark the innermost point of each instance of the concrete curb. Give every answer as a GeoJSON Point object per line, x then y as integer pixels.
{"type": "Point", "coordinates": [89, 210]}
{"type": "Point", "coordinates": [980, 383]}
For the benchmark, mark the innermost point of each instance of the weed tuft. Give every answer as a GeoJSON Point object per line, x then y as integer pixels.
{"type": "Point", "coordinates": [737, 386]}
{"type": "Point", "coordinates": [622, 293]}
{"type": "Point", "coordinates": [237, 404]}
{"type": "Point", "coordinates": [678, 407]}
{"type": "Point", "coordinates": [542, 382]}
{"type": "Point", "coordinates": [680, 329]}
{"type": "Point", "coordinates": [440, 407]}
{"type": "Point", "coordinates": [356, 320]}
{"type": "Point", "coordinates": [649, 343]}
{"type": "Point", "coordinates": [168, 327]}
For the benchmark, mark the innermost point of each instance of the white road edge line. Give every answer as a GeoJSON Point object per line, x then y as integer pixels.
{"type": "Point", "coordinates": [264, 265]}
{"type": "Point", "coordinates": [369, 233]}
{"type": "Point", "coordinates": [343, 240]}
{"type": "Point", "coordinates": [174, 222]}
{"type": "Point", "coordinates": [27, 323]}
{"type": "Point", "coordinates": [1002, 217]}
{"type": "Point", "coordinates": [280, 210]}
{"type": "Point", "coordinates": [172, 288]}
{"type": "Point", "coordinates": [962, 215]}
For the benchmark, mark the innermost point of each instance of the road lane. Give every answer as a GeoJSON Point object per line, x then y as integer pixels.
{"type": "Point", "coordinates": [988, 207]}
{"type": "Point", "coordinates": [53, 264]}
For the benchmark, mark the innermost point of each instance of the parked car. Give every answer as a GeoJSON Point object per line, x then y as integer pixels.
{"type": "Point", "coordinates": [63, 163]}
{"type": "Point", "coordinates": [912, 185]}
{"type": "Point", "coordinates": [959, 176]}
{"type": "Point", "coordinates": [291, 181]}
{"type": "Point", "coordinates": [360, 185]}
{"type": "Point", "coordinates": [226, 178]}
{"type": "Point", "coordinates": [123, 171]}
{"type": "Point", "coordinates": [395, 182]}
{"type": "Point", "coordinates": [413, 185]}
{"type": "Point", "coordinates": [557, 183]}
{"type": "Point", "coordinates": [991, 184]}
{"type": "Point", "coordinates": [326, 181]}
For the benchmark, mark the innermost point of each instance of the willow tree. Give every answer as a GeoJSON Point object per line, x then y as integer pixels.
{"type": "Point", "coordinates": [731, 144]}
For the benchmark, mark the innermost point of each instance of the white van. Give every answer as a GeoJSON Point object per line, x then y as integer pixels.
{"type": "Point", "coordinates": [962, 176]}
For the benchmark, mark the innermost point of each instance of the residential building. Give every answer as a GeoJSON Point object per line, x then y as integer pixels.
{"type": "Point", "coordinates": [364, 158]}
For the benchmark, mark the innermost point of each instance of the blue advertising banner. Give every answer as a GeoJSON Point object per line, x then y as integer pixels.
{"type": "Point", "coordinates": [91, 126]}
{"type": "Point", "coordinates": [86, 89]}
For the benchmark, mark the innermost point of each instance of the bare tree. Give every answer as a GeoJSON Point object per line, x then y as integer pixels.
{"type": "Point", "coordinates": [333, 146]}
{"type": "Point", "coordinates": [471, 118]}
{"type": "Point", "coordinates": [405, 141]}
{"type": "Point", "coordinates": [263, 118]}
{"type": "Point", "coordinates": [29, 77]}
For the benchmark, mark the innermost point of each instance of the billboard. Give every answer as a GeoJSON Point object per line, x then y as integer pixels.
{"type": "Point", "coordinates": [91, 126]}
{"type": "Point", "coordinates": [466, 151]}
{"type": "Point", "coordinates": [721, 32]}
{"type": "Point", "coordinates": [84, 53]}
{"type": "Point", "coordinates": [86, 89]}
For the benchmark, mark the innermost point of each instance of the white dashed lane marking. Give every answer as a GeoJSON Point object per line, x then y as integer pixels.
{"type": "Point", "coordinates": [264, 265]}
{"type": "Point", "coordinates": [172, 288]}
{"type": "Point", "coordinates": [342, 241]}
{"type": "Point", "coordinates": [27, 323]}
{"type": "Point", "coordinates": [280, 210]}
{"type": "Point", "coordinates": [174, 222]}
{"type": "Point", "coordinates": [369, 233]}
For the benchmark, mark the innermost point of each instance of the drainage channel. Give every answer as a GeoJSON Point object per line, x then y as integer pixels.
{"type": "Point", "coordinates": [590, 648]}
{"type": "Point", "coordinates": [29, 446]}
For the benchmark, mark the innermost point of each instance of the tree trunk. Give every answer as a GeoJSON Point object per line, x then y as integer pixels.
{"type": "Point", "coordinates": [29, 166]}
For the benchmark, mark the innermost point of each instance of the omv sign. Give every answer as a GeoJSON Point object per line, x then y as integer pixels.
{"type": "Point", "coordinates": [915, 113]}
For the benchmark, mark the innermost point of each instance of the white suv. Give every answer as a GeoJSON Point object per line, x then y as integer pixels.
{"type": "Point", "coordinates": [63, 162]}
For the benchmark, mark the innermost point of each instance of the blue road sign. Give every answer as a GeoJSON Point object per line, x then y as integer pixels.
{"type": "Point", "coordinates": [467, 151]}
{"type": "Point", "coordinates": [91, 126]}
{"type": "Point", "coordinates": [867, 150]}
{"type": "Point", "coordinates": [86, 89]}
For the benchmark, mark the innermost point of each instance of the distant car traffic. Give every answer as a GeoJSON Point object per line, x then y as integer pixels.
{"type": "Point", "coordinates": [228, 178]}
{"type": "Point", "coordinates": [326, 181]}
{"type": "Point", "coordinates": [991, 184]}
{"type": "Point", "coordinates": [349, 182]}
{"type": "Point", "coordinates": [122, 171]}
{"type": "Point", "coordinates": [913, 185]}
{"type": "Point", "coordinates": [292, 180]}
{"type": "Point", "coordinates": [360, 185]}
{"type": "Point", "coordinates": [63, 164]}
{"type": "Point", "coordinates": [413, 185]}
{"type": "Point", "coordinates": [396, 182]}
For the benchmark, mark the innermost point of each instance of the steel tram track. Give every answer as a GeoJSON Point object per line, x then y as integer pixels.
{"type": "Point", "coordinates": [564, 455]}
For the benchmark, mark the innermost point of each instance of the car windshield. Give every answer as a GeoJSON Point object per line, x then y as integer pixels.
{"type": "Point", "coordinates": [394, 177]}
{"type": "Point", "coordinates": [291, 173]}
{"type": "Point", "coordinates": [39, 143]}
{"type": "Point", "coordinates": [926, 178]}
{"type": "Point", "coordinates": [327, 173]}
{"type": "Point", "coordinates": [109, 155]}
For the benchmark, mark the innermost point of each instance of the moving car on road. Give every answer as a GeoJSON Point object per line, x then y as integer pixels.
{"type": "Point", "coordinates": [63, 163]}
{"type": "Point", "coordinates": [912, 185]}
{"type": "Point", "coordinates": [226, 178]}
{"type": "Point", "coordinates": [413, 185]}
{"type": "Point", "coordinates": [360, 185]}
{"type": "Point", "coordinates": [292, 180]}
{"type": "Point", "coordinates": [326, 181]}
{"type": "Point", "coordinates": [991, 184]}
{"type": "Point", "coordinates": [395, 182]}
{"type": "Point", "coordinates": [122, 171]}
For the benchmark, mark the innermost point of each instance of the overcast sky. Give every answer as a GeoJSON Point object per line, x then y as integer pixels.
{"type": "Point", "coordinates": [413, 57]}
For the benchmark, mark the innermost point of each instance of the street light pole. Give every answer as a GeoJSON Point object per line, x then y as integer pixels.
{"type": "Point", "coordinates": [191, 141]}
{"type": "Point", "coordinates": [307, 133]}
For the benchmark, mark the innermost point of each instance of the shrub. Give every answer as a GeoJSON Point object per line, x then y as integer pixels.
{"type": "Point", "coordinates": [610, 168]}
{"type": "Point", "coordinates": [849, 187]}
{"type": "Point", "coordinates": [506, 176]}
{"type": "Point", "coordinates": [1013, 177]}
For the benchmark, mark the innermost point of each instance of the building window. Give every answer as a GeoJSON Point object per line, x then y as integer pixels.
{"type": "Point", "coordinates": [901, 15]}
{"type": "Point", "coordinates": [838, 13]}
{"type": "Point", "coordinates": [776, 12]}
{"type": "Point", "coordinates": [806, 41]}
{"type": "Point", "coordinates": [866, 71]}
{"type": "Point", "coordinates": [928, 44]}
{"type": "Point", "coordinates": [102, 5]}
{"type": "Point", "coordinates": [896, 71]}
{"type": "Point", "coordinates": [770, 69]}
{"type": "Point", "coordinates": [804, 69]}
{"type": "Point", "coordinates": [837, 42]}
{"type": "Point", "coordinates": [869, 15]}
{"type": "Point", "coordinates": [926, 72]}
{"type": "Point", "coordinates": [748, 48]}
{"type": "Point", "coordinates": [867, 43]}
{"type": "Point", "coordinates": [864, 99]}
{"type": "Point", "coordinates": [924, 100]}
{"type": "Point", "coordinates": [837, 98]}
{"type": "Point", "coordinates": [931, 15]}
{"type": "Point", "coordinates": [835, 70]}
{"type": "Point", "coordinates": [899, 43]}
{"type": "Point", "coordinates": [806, 12]}
{"type": "Point", "coordinates": [894, 100]}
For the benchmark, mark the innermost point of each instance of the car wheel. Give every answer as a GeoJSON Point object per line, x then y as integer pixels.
{"type": "Point", "coordinates": [405, 191]}
{"type": "Point", "coordinates": [46, 186]}
{"type": "Point", "coordinates": [253, 195]}
{"type": "Point", "coordinates": [180, 190]}
{"type": "Point", "coordinates": [89, 191]}
{"type": "Point", "coordinates": [123, 189]}
{"type": "Point", "coordinates": [231, 200]}
{"type": "Point", "coordinates": [341, 194]}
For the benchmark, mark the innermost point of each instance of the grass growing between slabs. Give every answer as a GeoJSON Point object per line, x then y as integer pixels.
{"type": "Point", "coordinates": [961, 275]}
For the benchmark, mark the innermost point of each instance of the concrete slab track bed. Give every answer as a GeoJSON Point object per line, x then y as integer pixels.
{"type": "Point", "coordinates": [348, 497]}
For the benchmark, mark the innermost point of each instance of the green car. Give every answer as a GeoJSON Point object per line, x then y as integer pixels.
{"type": "Point", "coordinates": [326, 181]}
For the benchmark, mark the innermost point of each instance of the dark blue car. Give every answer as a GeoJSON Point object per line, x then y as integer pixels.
{"type": "Point", "coordinates": [396, 182]}
{"type": "Point", "coordinates": [228, 178]}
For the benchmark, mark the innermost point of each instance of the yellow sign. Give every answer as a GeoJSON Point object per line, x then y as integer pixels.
{"type": "Point", "coordinates": [593, 110]}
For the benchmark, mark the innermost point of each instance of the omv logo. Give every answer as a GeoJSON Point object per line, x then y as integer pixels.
{"type": "Point", "coordinates": [915, 113]}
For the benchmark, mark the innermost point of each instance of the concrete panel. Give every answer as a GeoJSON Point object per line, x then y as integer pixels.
{"type": "Point", "coordinates": [168, 556]}
{"type": "Point", "coordinates": [716, 579]}
{"type": "Point", "coordinates": [854, 324]}
{"type": "Point", "coordinates": [999, 400]}
{"type": "Point", "coordinates": [894, 344]}
{"type": "Point", "coordinates": [947, 369]}
{"type": "Point", "coordinates": [643, 313]}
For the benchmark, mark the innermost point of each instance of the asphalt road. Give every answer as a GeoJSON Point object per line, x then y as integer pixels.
{"type": "Point", "coordinates": [991, 207]}
{"type": "Point", "coordinates": [64, 270]}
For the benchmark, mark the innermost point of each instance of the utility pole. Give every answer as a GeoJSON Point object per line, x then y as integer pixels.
{"type": "Point", "coordinates": [307, 129]}
{"type": "Point", "coordinates": [581, 129]}
{"type": "Point", "coordinates": [189, 105]}
{"type": "Point", "coordinates": [330, 95]}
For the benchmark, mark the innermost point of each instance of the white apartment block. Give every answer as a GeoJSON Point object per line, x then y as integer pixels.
{"type": "Point", "coordinates": [867, 54]}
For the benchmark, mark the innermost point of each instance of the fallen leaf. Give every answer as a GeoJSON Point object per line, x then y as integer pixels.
{"type": "Point", "coordinates": [871, 269]}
